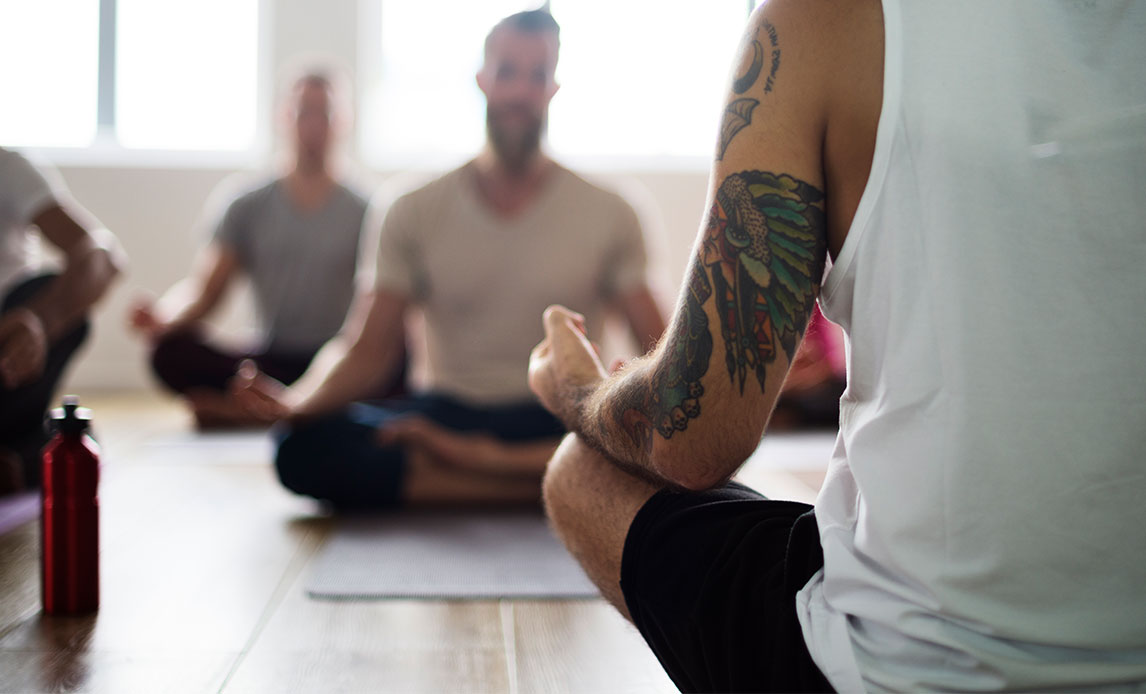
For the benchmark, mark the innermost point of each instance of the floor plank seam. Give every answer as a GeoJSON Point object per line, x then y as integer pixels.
{"type": "Point", "coordinates": [299, 560]}
{"type": "Point", "coordinates": [20, 620]}
{"type": "Point", "coordinates": [509, 640]}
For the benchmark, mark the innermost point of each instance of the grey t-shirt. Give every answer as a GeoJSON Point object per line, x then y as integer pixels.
{"type": "Point", "coordinates": [483, 281]}
{"type": "Point", "coordinates": [301, 263]}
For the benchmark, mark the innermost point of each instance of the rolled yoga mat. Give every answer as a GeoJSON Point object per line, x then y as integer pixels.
{"type": "Point", "coordinates": [473, 554]}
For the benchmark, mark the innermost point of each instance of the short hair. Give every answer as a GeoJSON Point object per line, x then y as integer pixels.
{"type": "Point", "coordinates": [314, 77]}
{"type": "Point", "coordinates": [313, 70]}
{"type": "Point", "coordinates": [537, 21]}
{"type": "Point", "coordinates": [318, 71]}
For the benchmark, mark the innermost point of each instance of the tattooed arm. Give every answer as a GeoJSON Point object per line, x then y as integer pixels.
{"type": "Point", "coordinates": [693, 410]}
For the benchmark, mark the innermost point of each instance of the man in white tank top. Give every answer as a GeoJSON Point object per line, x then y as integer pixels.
{"type": "Point", "coordinates": [973, 174]}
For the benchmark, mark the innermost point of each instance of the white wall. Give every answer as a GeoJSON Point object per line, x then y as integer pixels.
{"type": "Point", "coordinates": [154, 210]}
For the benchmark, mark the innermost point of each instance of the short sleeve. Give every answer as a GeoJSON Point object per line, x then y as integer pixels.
{"type": "Point", "coordinates": [233, 228]}
{"type": "Point", "coordinates": [366, 261]}
{"type": "Point", "coordinates": [27, 191]}
{"type": "Point", "coordinates": [628, 257]}
{"type": "Point", "coordinates": [397, 260]}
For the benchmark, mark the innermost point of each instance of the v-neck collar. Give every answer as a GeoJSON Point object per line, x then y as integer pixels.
{"type": "Point", "coordinates": [491, 216]}
{"type": "Point", "coordinates": [297, 210]}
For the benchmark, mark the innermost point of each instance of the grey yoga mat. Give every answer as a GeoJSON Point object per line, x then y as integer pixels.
{"type": "Point", "coordinates": [445, 555]}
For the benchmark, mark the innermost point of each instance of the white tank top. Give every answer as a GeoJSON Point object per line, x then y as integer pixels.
{"type": "Point", "coordinates": [984, 515]}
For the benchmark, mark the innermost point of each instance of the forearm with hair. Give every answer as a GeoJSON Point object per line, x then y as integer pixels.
{"type": "Point", "coordinates": [599, 422]}
{"type": "Point", "coordinates": [657, 393]}
{"type": "Point", "coordinates": [187, 303]}
{"type": "Point", "coordinates": [748, 296]}
{"type": "Point", "coordinates": [196, 297]}
{"type": "Point", "coordinates": [340, 375]}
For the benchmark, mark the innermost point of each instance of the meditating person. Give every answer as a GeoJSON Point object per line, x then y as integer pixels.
{"type": "Point", "coordinates": [44, 318]}
{"type": "Point", "coordinates": [479, 251]}
{"type": "Point", "coordinates": [297, 240]}
{"type": "Point", "coordinates": [974, 172]}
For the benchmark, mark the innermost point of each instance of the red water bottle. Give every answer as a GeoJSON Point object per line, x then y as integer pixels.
{"type": "Point", "coordinates": [70, 520]}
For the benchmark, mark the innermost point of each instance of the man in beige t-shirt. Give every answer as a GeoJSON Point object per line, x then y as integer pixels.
{"type": "Point", "coordinates": [481, 252]}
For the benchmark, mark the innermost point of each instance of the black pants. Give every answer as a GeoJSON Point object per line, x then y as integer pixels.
{"type": "Point", "coordinates": [710, 579]}
{"type": "Point", "coordinates": [185, 361]}
{"type": "Point", "coordinates": [22, 409]}
{"type": "Point", "coordinates": [336, 458]}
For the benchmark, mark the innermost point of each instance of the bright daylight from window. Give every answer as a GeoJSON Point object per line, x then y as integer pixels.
{"type": "Point", "coordinates": [638, 78]}
{"type": "Point", "coordinates": [186, 75]}
{"type": "Point", "coordinates": [53, 105]}
{"type": "Point", "coordinates": [185, 79]}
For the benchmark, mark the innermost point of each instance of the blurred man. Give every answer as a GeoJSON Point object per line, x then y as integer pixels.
{"type": "Point", "coordinates": [974, 171]}
{"type": "Point", "coordinates": [44, 318]}
{"type": "Point", "coordinates": [479, 251]}
{"type": "Point", "coordinates": [297, 239]}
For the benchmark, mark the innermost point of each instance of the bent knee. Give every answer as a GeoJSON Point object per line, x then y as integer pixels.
{"type": "Point", "coordinates": [558, 483]}
{"type": "Point", "coordinates": [578, 483]}
{"type": "Point", "coordinates": [582, 488]}
{"type": "Point", "coordinates": [296, 461]}
{"type": "Point", "coordinates": [336, 460]}
{"type": "Point", "coordinates": [169, 354]}
{"type": "Point", "coordinates": [169, 347]}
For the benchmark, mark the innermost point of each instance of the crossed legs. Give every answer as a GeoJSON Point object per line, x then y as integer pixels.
{"type": "Point", "coordinates": [338, 458]}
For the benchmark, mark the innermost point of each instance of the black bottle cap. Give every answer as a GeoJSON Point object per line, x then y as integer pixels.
{"type": "Point", "coordinates": [71, 418]}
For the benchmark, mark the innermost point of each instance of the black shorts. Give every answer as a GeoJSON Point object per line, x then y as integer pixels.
{"type": "Point", "coordinates": [710, 579]}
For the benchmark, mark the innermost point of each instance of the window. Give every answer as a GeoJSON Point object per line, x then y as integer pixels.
{"type": "Point", "coordinates": [421, 105]}
{"type": "Point", "coordinates": [638, 78]}
{"type": "Point", "coordinates": [191, 88]}
{"type": "Point", "coordinates": [49, 92]}
{"type": "Point", "coordinates": [140, 74]}
{"type": "Point", "coordinates": [642, 78]}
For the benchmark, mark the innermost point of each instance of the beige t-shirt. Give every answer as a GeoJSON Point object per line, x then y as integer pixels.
{"type": "Point", "coordinates": [483, 281]}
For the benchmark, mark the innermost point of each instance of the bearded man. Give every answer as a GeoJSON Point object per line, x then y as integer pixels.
{"type": "Point", "coordinates": [480, 251]}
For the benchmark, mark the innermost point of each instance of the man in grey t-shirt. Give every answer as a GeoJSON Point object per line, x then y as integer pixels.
{"type": "Point", "coordinates": [296, 239]}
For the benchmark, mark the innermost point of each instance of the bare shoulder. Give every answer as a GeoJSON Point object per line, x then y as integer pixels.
{"type": "Point", "coordinates": [818, 92]}
{"type": "Point", "coordinates": [838, 44]}
{"type": "Point", "coordinates": [826, 39]}
{"type": "Point", "coordinates": [796, 63]}
{"type": "Point", "coordinates": [824, 23]}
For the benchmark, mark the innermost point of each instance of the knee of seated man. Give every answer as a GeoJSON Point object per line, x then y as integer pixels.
{"type": "Point", "coordinates": [560, 486]}
{"type": "Point", "coordinates": [168, 352]}
{"type": "Point", "coordinates": [297, 458]}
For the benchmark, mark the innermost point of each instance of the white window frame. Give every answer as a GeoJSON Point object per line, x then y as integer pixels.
{"type": "Point", "coordinates": [105, 149]}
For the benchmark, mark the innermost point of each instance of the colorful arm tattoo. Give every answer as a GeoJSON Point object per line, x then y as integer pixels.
{"type": "Point", "coordinates": [760, 262]}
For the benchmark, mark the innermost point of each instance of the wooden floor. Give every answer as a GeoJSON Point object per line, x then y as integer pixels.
{"type": "Point", "coordinates": [202, 559]}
